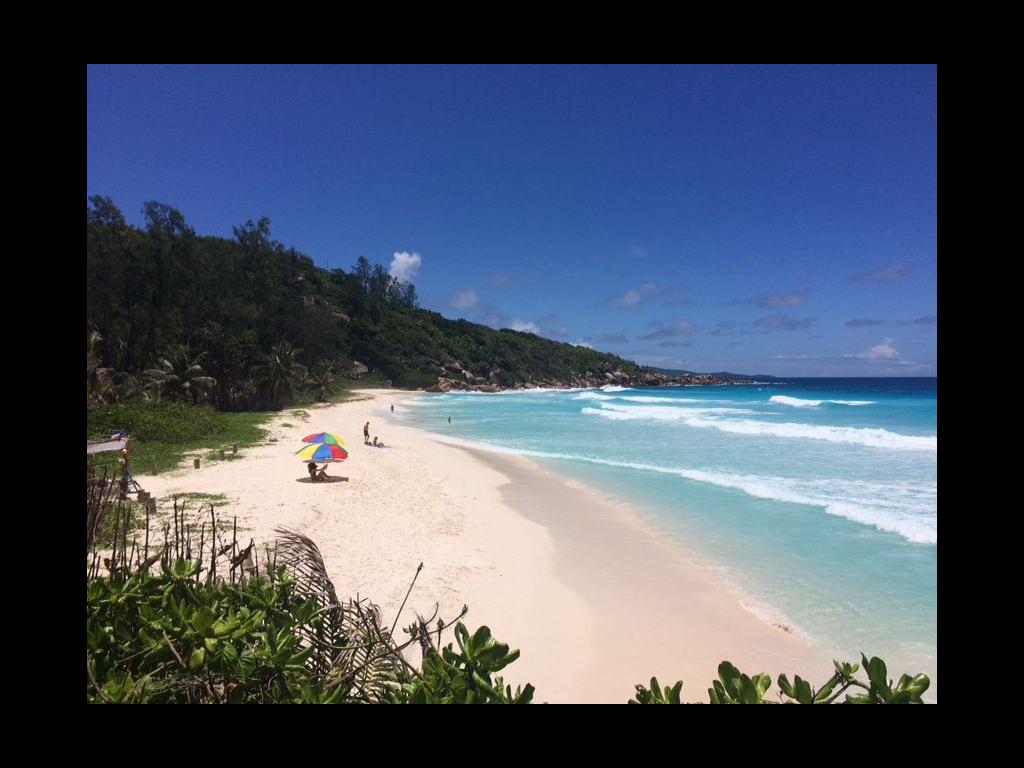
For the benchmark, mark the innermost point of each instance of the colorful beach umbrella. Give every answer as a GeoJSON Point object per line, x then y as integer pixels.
{"type": "Point", "coordinates": [323, 437]}
{"type": "Point", "coordinates": [322, 452]}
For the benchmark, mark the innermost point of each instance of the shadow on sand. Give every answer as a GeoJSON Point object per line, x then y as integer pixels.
{"type": "Point", "coordinates": [329, 479]}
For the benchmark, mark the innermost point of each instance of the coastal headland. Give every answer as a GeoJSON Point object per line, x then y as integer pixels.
{"type": "Point", "coordinates": [595, 601]}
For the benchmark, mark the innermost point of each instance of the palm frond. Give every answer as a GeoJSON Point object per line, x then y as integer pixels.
{"type": "Point", "coordinates": [353, 648]}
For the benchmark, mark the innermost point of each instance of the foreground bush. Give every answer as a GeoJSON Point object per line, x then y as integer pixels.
{"type": "Point", "coordinates": [284, 637]}
{"type": "Point", "coordinates": [733, 687]}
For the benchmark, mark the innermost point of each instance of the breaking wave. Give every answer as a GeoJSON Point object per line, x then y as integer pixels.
{"type": "Point", "coordinates": [907, 509]}
{"type": "Point", "coordinates": [797, 402]}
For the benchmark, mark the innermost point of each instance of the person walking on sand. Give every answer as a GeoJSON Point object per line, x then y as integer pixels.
{"type": "Point", "coordinates": [392, 407]}
{"type": "Point", "coordinates": [366, 432]}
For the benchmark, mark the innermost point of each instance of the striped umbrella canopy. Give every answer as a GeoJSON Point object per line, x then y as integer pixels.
{"type": "Point", "coordinates": [322, 452]}
{"type": "Point", "coordinates": [323, 437]}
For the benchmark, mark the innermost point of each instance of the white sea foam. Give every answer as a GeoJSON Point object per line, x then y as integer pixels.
{"type": "Point", "coordinates": [665, 400]}
{"type": "Point", "coordinates": [693, 417]}
{"type": "Point", "coordinates": [797, 402]}
{"type": "Point", "coordinates": [592, 396]}
{"type": "Point", "coordinates": [871, 438]}
{"type": "Point", "coordinates": [614, 388]}
{"type": "Point", "coordinates": [904, 508]}
{"type": "Point", "coordinates": [656, 412]}
{"type": "Point", "coordinates": [907, 509]}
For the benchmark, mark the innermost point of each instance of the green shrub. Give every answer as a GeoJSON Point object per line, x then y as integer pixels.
{"type": "Point", "coordinates": [164, 422]}
{"type": "Point", "coordinates": [464, 677]}
{"type": "Point", "coordinates": [734, 687]}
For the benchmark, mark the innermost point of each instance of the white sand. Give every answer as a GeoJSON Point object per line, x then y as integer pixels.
{"type": "Point", "coordinates": [595, 602]}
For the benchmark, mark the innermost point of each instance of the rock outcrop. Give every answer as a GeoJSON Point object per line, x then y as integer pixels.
{"type": "Point", "coordinates": [458, 378]}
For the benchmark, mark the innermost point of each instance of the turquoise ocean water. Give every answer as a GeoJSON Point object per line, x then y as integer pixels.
{"type": "Point", "coordinates": [816, 497]}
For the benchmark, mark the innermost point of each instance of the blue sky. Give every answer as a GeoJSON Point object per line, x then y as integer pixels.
{"type": "Point", "coordinates": [776, 220]}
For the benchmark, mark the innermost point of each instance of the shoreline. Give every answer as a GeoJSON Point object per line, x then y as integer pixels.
{"type": "Point", "coordinates": [595, 603]}
{"type": "Point", "coordinates": [653, 610]}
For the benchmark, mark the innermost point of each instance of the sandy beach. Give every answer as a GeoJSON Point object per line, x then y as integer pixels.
{"type": "Point", "coordinates": [595, 601]}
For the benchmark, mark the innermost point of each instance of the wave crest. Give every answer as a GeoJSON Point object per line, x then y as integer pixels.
{"type": "Point", "coordinates": [907, 509]}
{"type": "Point", "coordinates": [798, 402]}
{"type": "Point", "coordinates": [693, 417]}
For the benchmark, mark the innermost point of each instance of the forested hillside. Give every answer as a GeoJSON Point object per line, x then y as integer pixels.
{"type": "Point", "coordinates": [242, 323]}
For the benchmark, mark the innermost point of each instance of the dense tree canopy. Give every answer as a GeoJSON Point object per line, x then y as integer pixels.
{"type": "Point", "coordinates": [157, 291]}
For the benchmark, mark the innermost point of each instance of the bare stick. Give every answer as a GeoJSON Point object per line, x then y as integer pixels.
{"type": "Point", "coordinates": [113, 551]}
{"type": "Point", "coordinates": [92, 677]}
{"type": "Point", "coordinates": [202, 541]}
{"type": "Point", "coordinates": [175, 651]}
{"type": "Point", "coordinates": [407, 593]}
{"type": "Point", "coordinates": [124, 535]}
{"type": "Point", "coordinates": [213, 549]}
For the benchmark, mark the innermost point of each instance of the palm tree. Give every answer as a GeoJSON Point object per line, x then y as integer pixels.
{"type": "Point", "coordinates": [323, 380]}
{"type": "Point", "coordinates": [97, 377]}
{"type": "Point", "coordinates": [280, 372]}
{"type": "Point", "coordinates": [127, 385]}
{"type": "Point", "coordinates": [179, 373]}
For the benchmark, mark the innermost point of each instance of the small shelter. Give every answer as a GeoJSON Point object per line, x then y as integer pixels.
{"type": "Point", "coordinates": [121, 443]}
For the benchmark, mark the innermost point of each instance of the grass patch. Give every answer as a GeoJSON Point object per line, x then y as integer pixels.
{"type": "Point", "coordinates": [164, 433]}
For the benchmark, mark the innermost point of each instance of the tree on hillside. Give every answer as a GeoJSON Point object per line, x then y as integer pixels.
{"type": "Point", "coordinates": [179, 374]}
{"type": "Point", "coordinates": [98, 378]}
{"type": "Point", "coordinates": [280, 373]}
{"type": "Point", "coordinates": [323, 380]}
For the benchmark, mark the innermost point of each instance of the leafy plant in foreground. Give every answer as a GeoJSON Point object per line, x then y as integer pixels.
{"type": "Point", "coordinates": [464, 676]}
{"type": "Point", "coordinates": [734, 687]}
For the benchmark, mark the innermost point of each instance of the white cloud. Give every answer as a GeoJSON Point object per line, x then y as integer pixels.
{"type": "Point", "coordinates": [883, 351]}
{"type": "Point", "coordinates": [586, 344]}
{"type": "Point", "coordinates": [527, 326]}
{"type": "Point", "coordinates": [405, 265]}
{"type": "Point", "coordinates": [634, 296]}
{"type": "Point", "coordinates": [464, 300]}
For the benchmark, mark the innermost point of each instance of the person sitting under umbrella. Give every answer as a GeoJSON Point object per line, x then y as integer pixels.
{"type": "Point", "coordinates": [316, 474]}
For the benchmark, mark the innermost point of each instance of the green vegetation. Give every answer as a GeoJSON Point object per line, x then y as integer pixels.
{"type": "Point", "coordinates": [164, 432]}
{"type": "Point", "coordinates": [734, 687]}
{"type": "Point", "coordinates": [279, 634]}
{"type": "Point", "coordinates": [463, 676]}
{"type": "Point", "coordinates": [169, 639]}
{"type": "Point", "coordinates": [249, 324]}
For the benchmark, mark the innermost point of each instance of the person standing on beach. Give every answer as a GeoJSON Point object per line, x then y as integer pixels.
{"type": "Point", "coordinates": [392, 407]}
{"type": "Point", "coordinates": [366, 432]}
{"type": "Point", "coordinates": [449, 419]}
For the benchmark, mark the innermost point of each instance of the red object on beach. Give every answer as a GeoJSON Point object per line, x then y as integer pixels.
{"type": "Point", "coordinates": [322, 452]}
{"type": "Point", "coordinates": [323, 437]}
